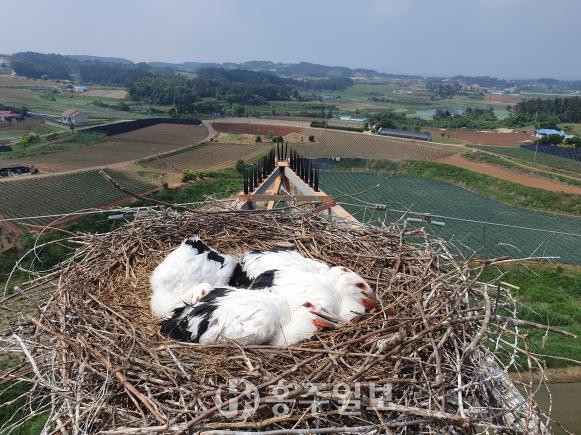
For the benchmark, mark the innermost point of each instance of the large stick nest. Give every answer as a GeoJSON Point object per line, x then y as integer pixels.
{"type": "Point", "coordinates": [432, 360]}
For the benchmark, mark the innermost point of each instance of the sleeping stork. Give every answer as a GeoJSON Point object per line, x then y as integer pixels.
{"type": "Point", "coordinates": [339, 290]}
{"type": "Point", "coordinates": [248, 316]}
{"type": "Point", "coordinates": [256, 262]}
{"type": "Point", "coordinates": [175, 279]}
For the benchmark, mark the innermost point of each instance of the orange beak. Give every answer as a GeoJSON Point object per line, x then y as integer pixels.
{"type": "Point", "coordinates": [370, 300]}
{"type": "Point", "coordinates": [324, 319]}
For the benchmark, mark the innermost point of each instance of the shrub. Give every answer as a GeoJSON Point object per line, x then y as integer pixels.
{"type": "Point", "coordinates": [550, 139]}
{"type": "Point", "coordinates": [312, 138]}
{"type": "Point", "coordinates": [188, 175]}
{"type": "Point", "coordinates": [575, 140]}
{"type": "Point", "coordinates": [258, 139]}
{"type": "Point", "coordinates": [29, 138]}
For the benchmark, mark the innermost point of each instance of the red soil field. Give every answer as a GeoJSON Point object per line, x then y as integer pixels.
{"type": "Point", "coordinates": [231, 127]}
{"type": "Point", "coordinates": [508, 99]}
{"type": "Point", "coordinates": [485, 138]}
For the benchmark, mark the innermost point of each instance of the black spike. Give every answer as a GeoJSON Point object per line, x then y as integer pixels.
{"type": "Point", "coordinates": [312, 176]}
{"type": "Point", "coordinates": [250, 181]}
{"type": "Point", "coordinates": [316, 179]}
{"type": "Point", "coordinates": [256, 178]}
{"type": "Point", "coordinates": [246, 181]}
{"type": "Point", "coordinates": [285, 150]}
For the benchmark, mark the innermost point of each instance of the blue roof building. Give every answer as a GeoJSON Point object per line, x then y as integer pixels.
{"type": "Point", "coordinates": [549, 131]}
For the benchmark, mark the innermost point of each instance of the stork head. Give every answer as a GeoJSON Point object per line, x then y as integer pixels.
{"type": "Point", "coordinates": [198, 291]}
{"type": "Point", "coordinates": [355, 293]}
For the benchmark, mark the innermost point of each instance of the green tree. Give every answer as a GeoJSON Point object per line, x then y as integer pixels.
{"type": "Point", "coordinates": [240, 166]}
{"type": "Point", "coordinates": [312, 138]}
{"type": "Point", "coordinates": [258, 139]}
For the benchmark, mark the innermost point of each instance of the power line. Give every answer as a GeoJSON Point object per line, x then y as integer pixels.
{"type": "Point", "coordinates": [383, 207]}
{"type": "Point", "coordinates": [102, 211]}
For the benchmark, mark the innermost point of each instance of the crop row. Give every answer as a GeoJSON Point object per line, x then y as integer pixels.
{"type": "Point", "coordinates": [331, 144]}
{"type": "Point", "coordinates": [528, 156]}
{"type": "Point", "coordinates": [568, 153]}
{"type": "Point", "coordinates": [61, 194]}
{"type": "Point", "coordinates": [425, 195]}
{"type": "Point", "coordinates": [208, 156]}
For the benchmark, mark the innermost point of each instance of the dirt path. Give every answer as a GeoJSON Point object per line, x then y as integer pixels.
{"type": "Point", "coordinates": [506, 174]}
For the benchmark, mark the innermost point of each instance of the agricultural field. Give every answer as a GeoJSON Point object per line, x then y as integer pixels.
{"type": "Point", "coordinates": [350, 145]}
{"type": "Point", "coordinates": [114, 93]}
{"type": "Point", "coordinates": [59, 194]}
{"type": "Point", "coordinates": [9, 133]}
{"type": "Point", "coordinates": [492, 138]}
{"type": "Point", "coordinates": [160, 138]}
{"type": "Point", "coordinates": [528, 157]}
{"type": "Point", "coordinates": [568, 153]}
{"type": "Point", "coordinates": [16, 81]}
{"type": "Point", "coordinates": [208, 156]}
{"type": "Point", "coordinates": [424, 195]}
{"type": "Point", "coordinates": [255, 129]}
{"type": "Point", "coordinates": [50, 98]}
{"type": "Point", "coordinates": [410, 96]}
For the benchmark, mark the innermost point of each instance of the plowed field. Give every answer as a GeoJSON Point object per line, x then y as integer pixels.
{"type": "Point", "coordinates": [349, 145]}
{"type": "Point", "coordinates": [209, 156]}
{"type": "Point", "coordinates": [137, 144]}
{"type": "Point", "coordinates": [485, 138]}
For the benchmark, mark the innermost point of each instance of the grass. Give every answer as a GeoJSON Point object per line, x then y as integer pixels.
{"type": "Point", "coordinates": [550, 294]}
{"type": "Point", "coordinates": [76, 140]}
{"type": "Point", "coordinates": [18, 409]}
{"type": "Point", "coordinates": [528, 158]}
{"type": "Point", "coordinates": [495, 160]}
{"type": "Point", "coordinates": [220, 184]}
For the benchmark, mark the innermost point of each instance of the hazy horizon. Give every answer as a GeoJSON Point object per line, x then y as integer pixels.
{"type": "Point", "coordinates": [512, 39]}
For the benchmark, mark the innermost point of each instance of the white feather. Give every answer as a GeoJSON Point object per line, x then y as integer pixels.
{"type": "Point", "coordinates": [255, 263]}
{"type": "Point", "coordinates": [250, 317]}
{"type": "Point", "coordinates": [172, 281]}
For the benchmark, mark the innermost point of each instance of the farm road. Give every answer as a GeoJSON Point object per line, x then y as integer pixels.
{"type": "Point", "coordinates": [507, 174]}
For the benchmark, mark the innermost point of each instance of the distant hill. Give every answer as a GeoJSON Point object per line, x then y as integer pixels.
{"type": "Point", "coordinates": [85, 58]}
{"type": "Point", "coordinates": [292, 70]}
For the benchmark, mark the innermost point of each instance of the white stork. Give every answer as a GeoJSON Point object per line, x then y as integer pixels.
{"type": "Point", "coordinates": [256, 262]}
{"type": "Point", "coordinates": [339, 290]}
{"type": "Point", "coordinates": [248, 316]}
{"type": "Point", "coordinates": [193, 262]}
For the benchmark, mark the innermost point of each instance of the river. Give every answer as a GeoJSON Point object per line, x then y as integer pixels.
{"type": "Point", "coordinates": [566, 405]}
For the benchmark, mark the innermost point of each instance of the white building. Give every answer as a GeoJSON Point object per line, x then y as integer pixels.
{"type": "Point", "coordinates": [74, 116]}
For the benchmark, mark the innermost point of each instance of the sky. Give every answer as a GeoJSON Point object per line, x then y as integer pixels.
{"type": "Point", "coordinates": [500, 38]}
